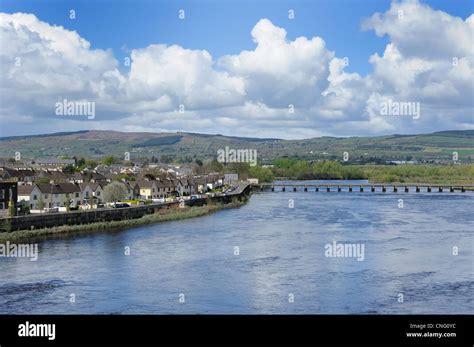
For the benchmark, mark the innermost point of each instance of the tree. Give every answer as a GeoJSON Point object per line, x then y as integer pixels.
{"type": "Point", "coordinates": [263, 174]}
{"type": "Point", "coordinates": [69, 169]}
{"type": "Point", "coordinates": [109, 160]}
{"type": "Point", "coordinates": [41, 203]}
{"type": "Point", "coordinates": [91, 164]}
{"type": "Point", "coordinates": [11, 208]}
{"type": "Point", "coordinates": [67, 203]}
{"type": "Point", "coordinates": [115, 191]}
{"type": "Point", "coordinates": [80, 162]}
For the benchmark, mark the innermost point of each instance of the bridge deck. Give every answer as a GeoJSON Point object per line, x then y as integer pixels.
{"type": "Point", "coordinates": [371, 187]}
{"type": "Point", "coordinates": [324, 185]}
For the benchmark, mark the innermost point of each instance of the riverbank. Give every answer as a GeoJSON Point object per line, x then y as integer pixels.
{"type": "Point", "coordinates": [455, 174]}
{"type": "Point", "coordinates": [165, 215]}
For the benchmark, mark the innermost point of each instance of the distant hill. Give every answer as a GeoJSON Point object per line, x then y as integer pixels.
{"type": "Point", "coordinates": [189, 146]}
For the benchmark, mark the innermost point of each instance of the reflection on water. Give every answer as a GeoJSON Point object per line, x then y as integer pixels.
{"type": "Point", "coordinates": [408, 251]}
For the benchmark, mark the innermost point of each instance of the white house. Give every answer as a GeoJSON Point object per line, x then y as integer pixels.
{"type": "Point", "coordinates": [45, 195]}
{"type": "Point", "coordinates": [92, 193]}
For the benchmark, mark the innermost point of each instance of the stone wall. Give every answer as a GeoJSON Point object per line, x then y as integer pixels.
{"type": "Point", "coordinates": [47, 220]}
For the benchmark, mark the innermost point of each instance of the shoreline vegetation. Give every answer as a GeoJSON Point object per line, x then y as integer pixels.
{"type": "Point", "coordinates": [295, 169]}
{"type": "Point", "coordinates": [165, 215]}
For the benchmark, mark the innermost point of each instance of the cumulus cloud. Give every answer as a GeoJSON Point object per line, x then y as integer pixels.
{"type": "Point", "coordinates": [429, 59]}
{"type": "Point", "coordinates": [278, 72]}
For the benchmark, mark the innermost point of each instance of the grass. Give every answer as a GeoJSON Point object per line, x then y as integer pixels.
{"type": "Point", "coordinates": [162, 216]}
{"type": "Point", "coordinates": [420, 173]}
{"type": "Point", "coordinates": [447, 174]}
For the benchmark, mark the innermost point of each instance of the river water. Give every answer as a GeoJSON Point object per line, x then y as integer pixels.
{"type": "Point", "coordinates": [268, 256]}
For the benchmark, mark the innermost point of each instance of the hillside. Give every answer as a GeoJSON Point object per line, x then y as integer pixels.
{"type": "Point", "coordinates": [188, 146]}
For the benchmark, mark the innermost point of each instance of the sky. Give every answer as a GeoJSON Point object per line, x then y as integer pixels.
{"type": "Point", "coordinates": [287, 69]}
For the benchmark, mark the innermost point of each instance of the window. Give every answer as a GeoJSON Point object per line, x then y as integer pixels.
{"type": "Point", "coordinates": [77, 195]}
{"type": "Point", "coordinates": [2, 194]}
{"type": "Point", "coordinates": [46, 196]}
{"type": "Point", "coordinates": [98, 193]}
{"type": "Point", "coordinates": [35, 197]}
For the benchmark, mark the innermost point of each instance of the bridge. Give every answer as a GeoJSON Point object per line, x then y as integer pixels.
{"type": "Point", "coordinates": [361, 187]}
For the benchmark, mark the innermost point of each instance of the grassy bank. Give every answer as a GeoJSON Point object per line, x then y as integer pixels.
{"type": "Point", "coordinates": [420, 173]}
{"type": "Point", "coordinates": [165, 215]}
{"type": "Point", "coordinates": [447, 174]}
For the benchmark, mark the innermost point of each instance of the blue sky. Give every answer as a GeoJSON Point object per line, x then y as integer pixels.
{"type": "Point", "coordinates": [221, 26]}
{"type": "Point", "coordinates": [224, 28]}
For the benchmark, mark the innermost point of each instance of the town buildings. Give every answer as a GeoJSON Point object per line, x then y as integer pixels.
{"type": "Point", "coordinates": [47, 188]}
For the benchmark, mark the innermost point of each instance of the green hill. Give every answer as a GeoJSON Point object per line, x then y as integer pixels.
{"type": "Point", "coordinates": [189, 146]}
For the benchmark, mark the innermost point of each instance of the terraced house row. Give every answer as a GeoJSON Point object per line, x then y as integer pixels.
{"type": "Point", "coordinates": [42, 190]}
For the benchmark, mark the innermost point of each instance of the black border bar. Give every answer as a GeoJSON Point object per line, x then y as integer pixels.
{"type": "Point", "coordinates": [261, 329]}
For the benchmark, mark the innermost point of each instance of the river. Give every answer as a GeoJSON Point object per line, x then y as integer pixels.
{"type": "Point", "coordinates": [267, 257]}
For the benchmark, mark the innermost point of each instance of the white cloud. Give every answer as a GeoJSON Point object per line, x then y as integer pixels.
{"type": "Point", "coordinates": [279, 72]}
{"type": "Point", "coordinates": [429, 59]}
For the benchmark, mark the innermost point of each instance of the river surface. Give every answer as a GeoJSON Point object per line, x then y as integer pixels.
{"type": "Point", "coordinates": [267, 257]}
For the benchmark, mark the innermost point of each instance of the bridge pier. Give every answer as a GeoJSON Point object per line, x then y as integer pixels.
{"type": "Point", "coordinates": [406, 190]}
{"type": "Point", "coordinates": [350, 189]}
{"type": "Point", "coordinates": [305, 189]}
{"type": "Point", "coordinates": [428, 189]}
{"type": "Point", "coordinates": [283, 189]}
{"type": "Point", "coordinates": [294, 189]}
{"type": "Point", "coordinates": [261, 188]}
{"type": "Point", "coordinates": [338, 189]}
{"type": "Point", "coordinates": [328, 189]}
{"type": "Point", "coordinates": [317, 189]}
{"type": "Point", "coordinates": [440, 189]}
{"type": "Point", "coordinates": [451, 189]}
{"type": "Point", "coordinates": [417, 189]}
{"type": "Point", "coordinates": [463, 190]}
{"type": "Point", "coordinates": [395, 189]}
{"type": "Point", "coordinates": [361, 189]}
{"type": "Point", "coordinates": [372, 189]}
{"type": "Point", "coordinates": [273, 188]}
{"type": "Point", "coordinates": [384, 189]}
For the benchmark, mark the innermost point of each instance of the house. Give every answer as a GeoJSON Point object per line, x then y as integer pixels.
{"type": "Point", "coordinates": [185, 187]}
{"type": "Point", "coordinates": [76, 177]}
{"type": "Point", "coordinates": [8, 195]}
{"type": "Point", "coordinates": [214, 181]}
{"type": "Point", "coordinates": [147, 189]}
{"type": "Point", "coordinates": [170, 187]}
{"type": "Point", "coordinates": [22, 176]}
{"type": "Point", "coordinates": [200, 184]}
{"type": "Point", "coordinates": [53, 176]}
{"type": "Point", "coordinates": [133, 191]}
{"type": "Point", "coordinates": [24, 194]}
{"type": "Point", "coordinates": [252, 180]}
{"type": "Point", "coordinates": [230, 178]}
{"type": "Point", "coordinates": [54, 162]}
{"type": "Point", "coordinates": [96, 177]}
{"type": "Point", "coordinates": [161, 189]}
{"type": "Point", "coordinates": [46, 195]}
{"type": "Point", "coordinates": [92, 193]}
